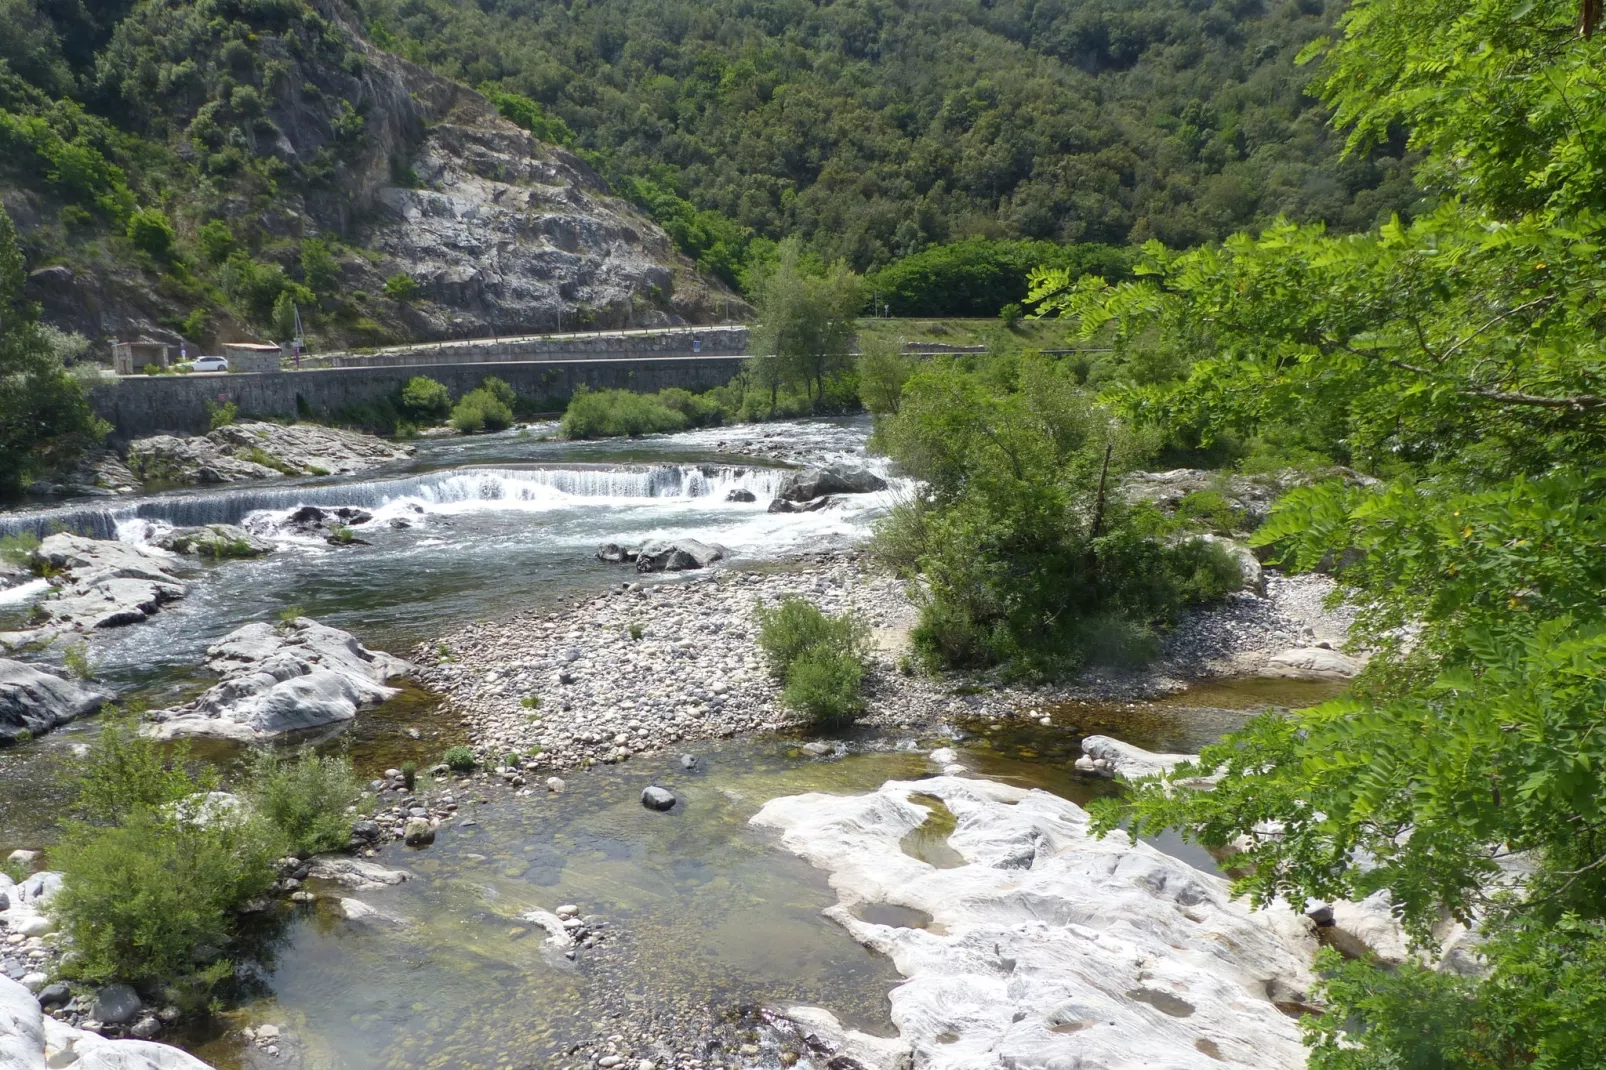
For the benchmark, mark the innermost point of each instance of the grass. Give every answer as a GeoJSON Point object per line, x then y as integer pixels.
{"type": "Point", "coordinates": [19, 549]}
{"type": "Point", "coordinates": [531, 702]}
{"type": "Point", "coordinates": [76, 660]}
{"type": "Point", "coordinates": [637, 629]}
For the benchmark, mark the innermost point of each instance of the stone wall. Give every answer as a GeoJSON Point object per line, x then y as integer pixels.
{"type": "Point", "coordinates": [147, 405]}
{"type": "Point", "coordinates": [602, 345]}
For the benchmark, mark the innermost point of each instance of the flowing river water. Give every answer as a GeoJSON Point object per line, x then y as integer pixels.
{"type": "Point", "coordinates": [702, 916]}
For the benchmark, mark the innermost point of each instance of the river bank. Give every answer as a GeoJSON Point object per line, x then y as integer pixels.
{"type": "Point", "coordinates": [643, 668]}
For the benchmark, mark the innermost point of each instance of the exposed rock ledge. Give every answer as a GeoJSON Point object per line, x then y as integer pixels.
{"type": "Point", "coordinates": [35, 701]}
{"type": "Point", "coordinates": [100, 583]}
{"type": "Point", "coordinates": [298, 675]}
{"type": "Point", "coordinates": [31, 1041]}
{"type": "Point", "coordinates": [1050, 948]}
{"type": "Point", "coordinates": [254, 450]}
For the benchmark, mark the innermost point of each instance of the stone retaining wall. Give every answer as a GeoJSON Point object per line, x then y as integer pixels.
{"type": "Point", "coordinates": [604, 345]}
{"type": "Point", "coordinates": [146, 405]}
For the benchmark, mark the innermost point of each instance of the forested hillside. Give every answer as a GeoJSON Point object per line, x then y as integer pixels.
{"type": "Point", "coordinates": [873, 128]}
{"type": "Point", "coordinates": [202, 170]}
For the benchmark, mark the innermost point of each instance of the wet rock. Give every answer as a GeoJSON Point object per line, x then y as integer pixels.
{"type": "Point", "coordinates": [354, 873]}
{"type": "Point", "coordinates": [678, 556]}
{"type": "Point", "coordinates": [53, 995]}
{"type": "Point", "coordinates": [358, 911]}
{"type": "Point", "coordinates": [657, 798]}
{"type": "Point", "coordinates": [817, 748]}
{"type": "Point", "coordinates": [613, 553]}
{"type": "Point", "coordinates": [365, 832]}
{"type": "Point", "coordinates": [116, 1004]}
{"type": "Point", "coordinates": [418, 832]}
{"type": "Point", "coordinates": [741, 494]}
{"type": "Point", "coordinates": [35, 701]}
{"type": "Point", "coordinates": [100, 583]}
{"type": "Point", "coordinates": [782, 505]}
{"type": "Point", "coordinates": [832, 479]}
{"type": "Point", "coordinates": [555, 784]}
{"type": "Point", "coordinates": [1111, 757]}
{"type": "Point", "coordinates": [297, 675]}
{"type": "Point", "coordinates": [147, 1028]}
{"type": "Point", "coordinates": [215, 540]}
{"type": "Point", "coordinates": [688, 761]}
{"type": "Point", "coordinates": [1159, 954]}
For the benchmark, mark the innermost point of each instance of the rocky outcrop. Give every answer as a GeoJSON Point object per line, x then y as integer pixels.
{"type": "Point", "coordinates": [99, 583]}
{"type": "Point", "coordinates": [1109, 757]}
{"type": "Point", "coordinates": [1313, 663]}
{"type": "Point", "coordinates": [832, 479]}
{"type": "Point", "coordinates": [308, 521]}
{"type": "Point", "coordinates": [678, 556]}
{"type": "Point", "coordinates": [29, 1040]}
{"type": "Point", "coordinates": [35, 701]}
{"type": "Point", "coordinates": [296, 676]}
{"type": "Point", "coordinates": [252, 450]}
{"type": "Point", "coordinates": [98, 473]}
{"type": "Point", "coordinates": [215, 541]}
{"type": "Point", "coordinates": [1049, 947]}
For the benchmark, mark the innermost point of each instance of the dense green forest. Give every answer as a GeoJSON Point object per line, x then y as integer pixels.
{"type": "Point", "coordinates": [872, 128]}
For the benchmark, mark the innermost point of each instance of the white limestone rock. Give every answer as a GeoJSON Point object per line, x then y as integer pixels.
{"type": "Point", "coordinates": [354, 873]}
{"type": "Point", "coordinates": [36, 701]}
{"type": "Point", "coordinates": [1050, 948]}
{"type": "Point", "coordinates": [100, 583]}
{"type": "Point", "coordinates": [282, 679]}
{"type": "Point", "coordinates": [1111, 757]}
{"type": "Point", "coordinates": [31, 1041]}
{"type": "Point", "coordinates": [1312, 663]}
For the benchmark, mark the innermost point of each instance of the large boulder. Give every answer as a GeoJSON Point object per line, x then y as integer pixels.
{"type": "Point", "coordinates": [215, 540]}
{"type": "Point", "coordinates": [782, 505]}
{"type": "Point", "coordinates": [832, 479]}
{"type": "Point", "coordinates": [1313, 663]}
{"type": "Point", "coordinates": [297, 675]}
{"type": "Point", "coordinates": [677, 556]}
{"type": "Point", "coordinates": [251, 450]}
{"type": "Point", "coordinates": [31, 1041]}
{"type": "Point", "coordinates": [615, 554]}
{"type": "Point", "coordinates": [1105, 756]}
{"type": "Point", "coordinates": [35, 701]}
{"type": "Point", "coordinates": [100, 583]}
{"type": "Point", "coordinates": [1050, 947]}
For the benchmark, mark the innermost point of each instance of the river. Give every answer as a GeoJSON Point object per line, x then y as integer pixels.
{"type": "Point", "coordinates": [702, 918]}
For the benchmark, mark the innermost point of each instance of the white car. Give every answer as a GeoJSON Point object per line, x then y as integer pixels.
{"type": "Point", "coordinates": [211, 364]}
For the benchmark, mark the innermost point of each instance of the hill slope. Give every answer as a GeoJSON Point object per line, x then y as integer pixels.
{"type": "Point", "coordinates": [874, 128]}
{"type": "Point", "coordinates": [195, 169]}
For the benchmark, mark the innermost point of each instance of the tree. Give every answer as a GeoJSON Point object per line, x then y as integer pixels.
{"type": "Point", "coordinates": [883, 368]}
{"type": "Point", "coordinates": [805, 324]}
{"type": "Point", "coordinates": [45, 420]}
{"type": "Point", "coordinates": [1458, 356]}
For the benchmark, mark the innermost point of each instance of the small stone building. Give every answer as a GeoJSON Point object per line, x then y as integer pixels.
{"type": "Point", "coordinates": [252, 356]}
{"type": "Point", "coordinates": [130, 358]}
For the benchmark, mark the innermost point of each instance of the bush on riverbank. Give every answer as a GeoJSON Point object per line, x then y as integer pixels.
{"type": "Point", "coordinates": [611, 413]}
{"type": "Point", "coordinates": [1030, 557]}
{"type": "Point", "coordinates": [156, 870]}
{"type": "Point", "coordinates": [819, 659]}
{"type": "Point", "coordinates": [426, 401]}
{"type": "Point", "coordinates": [305, 799]}
{"type": "Point", "coordinates": [489, 407]}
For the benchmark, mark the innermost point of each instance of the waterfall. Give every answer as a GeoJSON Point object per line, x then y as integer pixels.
{"type": "Point", "coordinates": [534, 484]}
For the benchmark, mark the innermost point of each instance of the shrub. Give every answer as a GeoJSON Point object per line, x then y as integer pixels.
{"type": "Point", "coordinates": [141, 900]}
{"type": "Point", "coordinates": [216, 241]}
{"type": "Point", "coordinates": [460, 760]}
{"type": "Point", "coordinates": [637, 629]}
{"type": "Point", "coordinates": [151, 232]}
{"type": "Point", "coordinates": [820, 659]}
{"type": "Point", "coordinates": [499, 390]}
{"type": "Point", "coordinates": [305, 799]}
{"type": "Point", "coordinates": [481, 410]}
{"type": "Point", "coordinates": [126, 771]}
{"type": "Point", "coordinates": [221, 415]}
{"type": "Point", "coordinates": [409, 772]}
{"type": "Point", "coordinates": [426, 400]}
{"type": "Point", "coordinates": [76, 660]}
{"type": "Point", "coordinates": [609, 413]}
{"type": "Point", "coordinates": [401, 287]}
{"type": "Point", "coordinates": [531, 702]}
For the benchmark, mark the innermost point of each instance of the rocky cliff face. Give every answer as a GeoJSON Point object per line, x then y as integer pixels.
{"type": "Point", "coordinates": [290, 125]}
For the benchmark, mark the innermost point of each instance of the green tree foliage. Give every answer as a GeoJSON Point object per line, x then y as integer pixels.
{"type": "Point", "coordinates": [401, 287]}
{"type": "Point", "coordinates": [819, 659]}
{"type": "Point", "coordinates": [522, 111]}
{"type": "Point", "coordinates": [876, 128]}
{"type": "Point", "coordinates": [150, 231]}
{"type": "Point", "coordinates": [806, 323]}
{"type": "Point", "coordinates": [1029, 556]}
{"type": "Point", "coordinates": [319, 268]}
{"type": "Point", "coordinates": [609, 413]}
{"type": "Point", "coordinates": [1456, 355]}
{"type": "Point", "coordinates": [978, 277]}
{"type": "Point", "coordinates": [45, 421]}
{"type": "Point", "coordinates": [425, 400]}
{"type": "Point", "coordinates": [882, 368]}
{"type": "Point", "coordinates": [483, 409]}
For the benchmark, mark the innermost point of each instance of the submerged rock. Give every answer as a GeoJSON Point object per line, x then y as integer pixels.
{"type": "Point", "coordinates": [1050, 947]}
{"type": "Point", "coordinates": [678, 556]}
{"type": "Point", "coordinates": [418, 832]}
{"type": "Point", "coordinates": [354, 873]}
{"type": "Point", "coordinates": [215, 540]}
{"type": "Point", "coordinates": [782, 505]}
{"type": "Point", "coordinates": [30, 1040]}
{"type": "Point", "coordinates": [297, 675]}
{"type": "Point", "coordinates": [832, 479]}
{"type": "Point", "coordinates": [35, 701]}
{"type": "Point", "coordinates": [656, 798]}
{"type": "Point", "coordinates": [741, 494]}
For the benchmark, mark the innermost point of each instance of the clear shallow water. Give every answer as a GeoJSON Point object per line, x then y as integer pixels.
{"type": "Point", "coordinates": [709, 918]}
